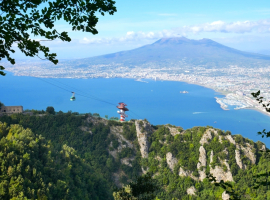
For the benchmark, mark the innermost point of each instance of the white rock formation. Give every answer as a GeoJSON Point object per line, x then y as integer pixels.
{"type": "Point", "coordinates": [171, 161]}
{"type": "Point", "coordinates": [117, 130]}
{"type": "Point", "coordinates": [143, 136]}
{"type": "Point", "coordinates": [202, 163]}
{"type": "Point", "coordinates": [225, 196]}
{"type": "Point", "coordinates": [220, 139]}
{"type": "Point", "coordinates": [238, 159]}
{"type": "Point", "coordinates": [182, 172]}
{"type": "Point", "coordinates": [126, 161]}
{"type": "Point", "coordinates": [206, 136]}
{"type": "Point", "coordinates": [218, 171]}
{"type": "Point", "coordinates": [211, 156]}
{"type": "Point", "coordinates": [174, 131]}
{"type": "Point", "coordinates": [192, 191]}
{"type": "Point", "coordinates": [230, 138]}
{"type": "Point", "coordinates": [263, 148]}
{"type": "Point", "coordinates": [248, 153]}
{"type": "Point", "coordinates": [145, 171]}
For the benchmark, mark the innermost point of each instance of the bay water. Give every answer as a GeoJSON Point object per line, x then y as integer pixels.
{"type": "Point", "coordinates": [160, 102]}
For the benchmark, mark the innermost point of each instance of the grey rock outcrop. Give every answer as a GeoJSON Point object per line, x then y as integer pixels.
{"type": "Point", "coordinates": [225, 196]}
{"type": "Point", "coordinates": [230, 138]}
{"type": "Point", "coordinates": [182, 172]}
{"type": "Point", "coordinates": [263, 148]}
{"type": "Point", "coordinates": [143, 130]}
{"type": "Point", "coordinates": [248, 153]}
{"type": "Point", "coordinates": [171, 161]}
{"type": "Point", "coordinates": [238, 159]}
{"type": "Point", "coordinates": [220, 139]}
{"type": "Point", "coordinates": [218, 171]}
{"type": "Point", "coordinates": [126, 161]}
{"type": "Point", "coordinates": [211, 156]}
{"type": "Point", "coordinates": [201, 166]}
{"type": "Point", "coordinates": [117, 130]}
{"type": "Point", "coordinates": [174, 131]}
{"type": "Point", "coordinates": [145, 171]}
{"type": "Point", "coordinates": [192, 191]}
{"type": "Point", "coordinates": [206, 136]}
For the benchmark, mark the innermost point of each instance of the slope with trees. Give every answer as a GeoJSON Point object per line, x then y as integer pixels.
{"type": "Point", "coordinates": [113, 151]}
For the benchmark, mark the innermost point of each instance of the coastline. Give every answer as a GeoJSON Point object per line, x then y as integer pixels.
{"type": "Point", "coordinates": [256, 109]}
{"type": "Point", "coordinates": [220, 92]}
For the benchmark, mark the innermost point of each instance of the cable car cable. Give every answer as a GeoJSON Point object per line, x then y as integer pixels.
{"type": "Point", "coordinates": [91, 96]}
{"type": "Point", "coordinates": [83, 95]}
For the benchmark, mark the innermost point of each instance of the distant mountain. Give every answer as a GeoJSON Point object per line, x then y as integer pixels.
{"type": "Point", "coordinates": [180, 51]}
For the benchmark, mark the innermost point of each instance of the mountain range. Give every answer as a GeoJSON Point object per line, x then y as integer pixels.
{"type": "Point", "coordinates": [179, 51]}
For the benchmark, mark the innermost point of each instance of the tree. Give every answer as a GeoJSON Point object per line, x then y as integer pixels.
{"type": "Point", "coordinates": [144, 188]}
{"type": "Point", "coordinates": [262, 179]}
{"type": "Point", "coordinates": [50, 110]}
{"type": "Point", "coordinates": [22, 19]}
{"type": "Point", "coordinates": [1, 104]}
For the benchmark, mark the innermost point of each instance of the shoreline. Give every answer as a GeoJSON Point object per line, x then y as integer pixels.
{"type": "Point", "coordinates": [220, 92]}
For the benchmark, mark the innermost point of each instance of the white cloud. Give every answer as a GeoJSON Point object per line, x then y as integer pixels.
{"type": "Point", "coordinates": [239, 27]}
{"type": "Point", "coordinates": [233, 27]}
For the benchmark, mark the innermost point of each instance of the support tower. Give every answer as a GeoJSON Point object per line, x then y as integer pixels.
{"type": "Point", "coordinates": [122, 108]}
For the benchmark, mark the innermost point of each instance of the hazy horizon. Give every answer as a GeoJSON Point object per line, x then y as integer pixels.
{"type": "Point", "coordinates": [241, 25]}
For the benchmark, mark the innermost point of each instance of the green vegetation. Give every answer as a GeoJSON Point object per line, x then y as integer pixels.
{"type": "Point", "coordinates": [77, 151]}
{"type": "Point", "coordinates": [21, 17]}
{"type": "Point", "coordinates": [31, 168]}
{"type": "Point", "coordinates": [143, 188]}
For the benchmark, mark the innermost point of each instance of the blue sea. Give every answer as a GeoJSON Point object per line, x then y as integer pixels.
{"type": "Point", "coordinates": [160, 102]}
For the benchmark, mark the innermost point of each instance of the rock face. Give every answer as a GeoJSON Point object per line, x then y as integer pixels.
{"type": "Point", "coordinates": [117, 132]}
{"type": "Point", "coordinates": [206, 136]}
{"type": "Point", "coordinates": [171, 161]}
{"type": "Point", "coordinates": [230, 138]}
{"type": "Point", "coordinates": [218, 171]}
{"type": "Point", "coordinates": [248, 153]}
{"type": "Point", "coordinates": [174, 131]}
{"type": "Point", "coordinates": [182, 172]}
{"type": "Point", "coordinates": [143, 130]}
{"type": "Point", "coordinates": [238, 159]}
{"type": "Point", "coordinates": [126, 161]}
{"type": "Point", "coordinates": [225, 196]}
{"type": "Point", "coordinates": [202, 163]}
{"type": "Point", "coordinates": [263, 148]}
{"type": "Point", "coordinates": [192, 191]}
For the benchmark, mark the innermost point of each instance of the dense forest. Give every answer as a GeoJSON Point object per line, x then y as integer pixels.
{"type": "Point", "coordinates": [51, 155]}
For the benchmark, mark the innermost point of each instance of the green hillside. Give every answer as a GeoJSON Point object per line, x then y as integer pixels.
{"type": "Point", "coordinates": [69, 156]}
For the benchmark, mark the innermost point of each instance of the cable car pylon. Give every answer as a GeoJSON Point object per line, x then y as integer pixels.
{"type": "Point", "coordinates": [122, 109]}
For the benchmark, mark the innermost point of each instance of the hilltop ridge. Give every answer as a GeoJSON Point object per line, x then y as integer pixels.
{"type": "Point", "coordinates": [178, 159]}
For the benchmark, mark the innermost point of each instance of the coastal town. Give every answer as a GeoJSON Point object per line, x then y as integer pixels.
{"type": "Point", "coordinates": [235, 82]}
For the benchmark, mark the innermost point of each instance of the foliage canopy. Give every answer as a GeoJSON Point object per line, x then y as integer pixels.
{"type": "Point", "coordinates": [21, 19]}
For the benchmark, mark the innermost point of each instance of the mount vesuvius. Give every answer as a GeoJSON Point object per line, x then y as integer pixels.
{"type": "Point", "coordinates": [168, 52]}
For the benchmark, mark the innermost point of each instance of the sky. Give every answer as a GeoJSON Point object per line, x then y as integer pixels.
{"type": "Point", "coordinates": [240, 24]}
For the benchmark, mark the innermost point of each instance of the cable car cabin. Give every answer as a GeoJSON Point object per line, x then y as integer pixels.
{"type": "Point", "coordinates": [73, 97]}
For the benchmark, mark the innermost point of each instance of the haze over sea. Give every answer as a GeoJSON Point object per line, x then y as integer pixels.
{"type": "Point", "coordinates": [160, 102]}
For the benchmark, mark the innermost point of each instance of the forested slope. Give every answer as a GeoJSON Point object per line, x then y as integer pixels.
{"type": "Point", "coordinates": [85, 157]}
